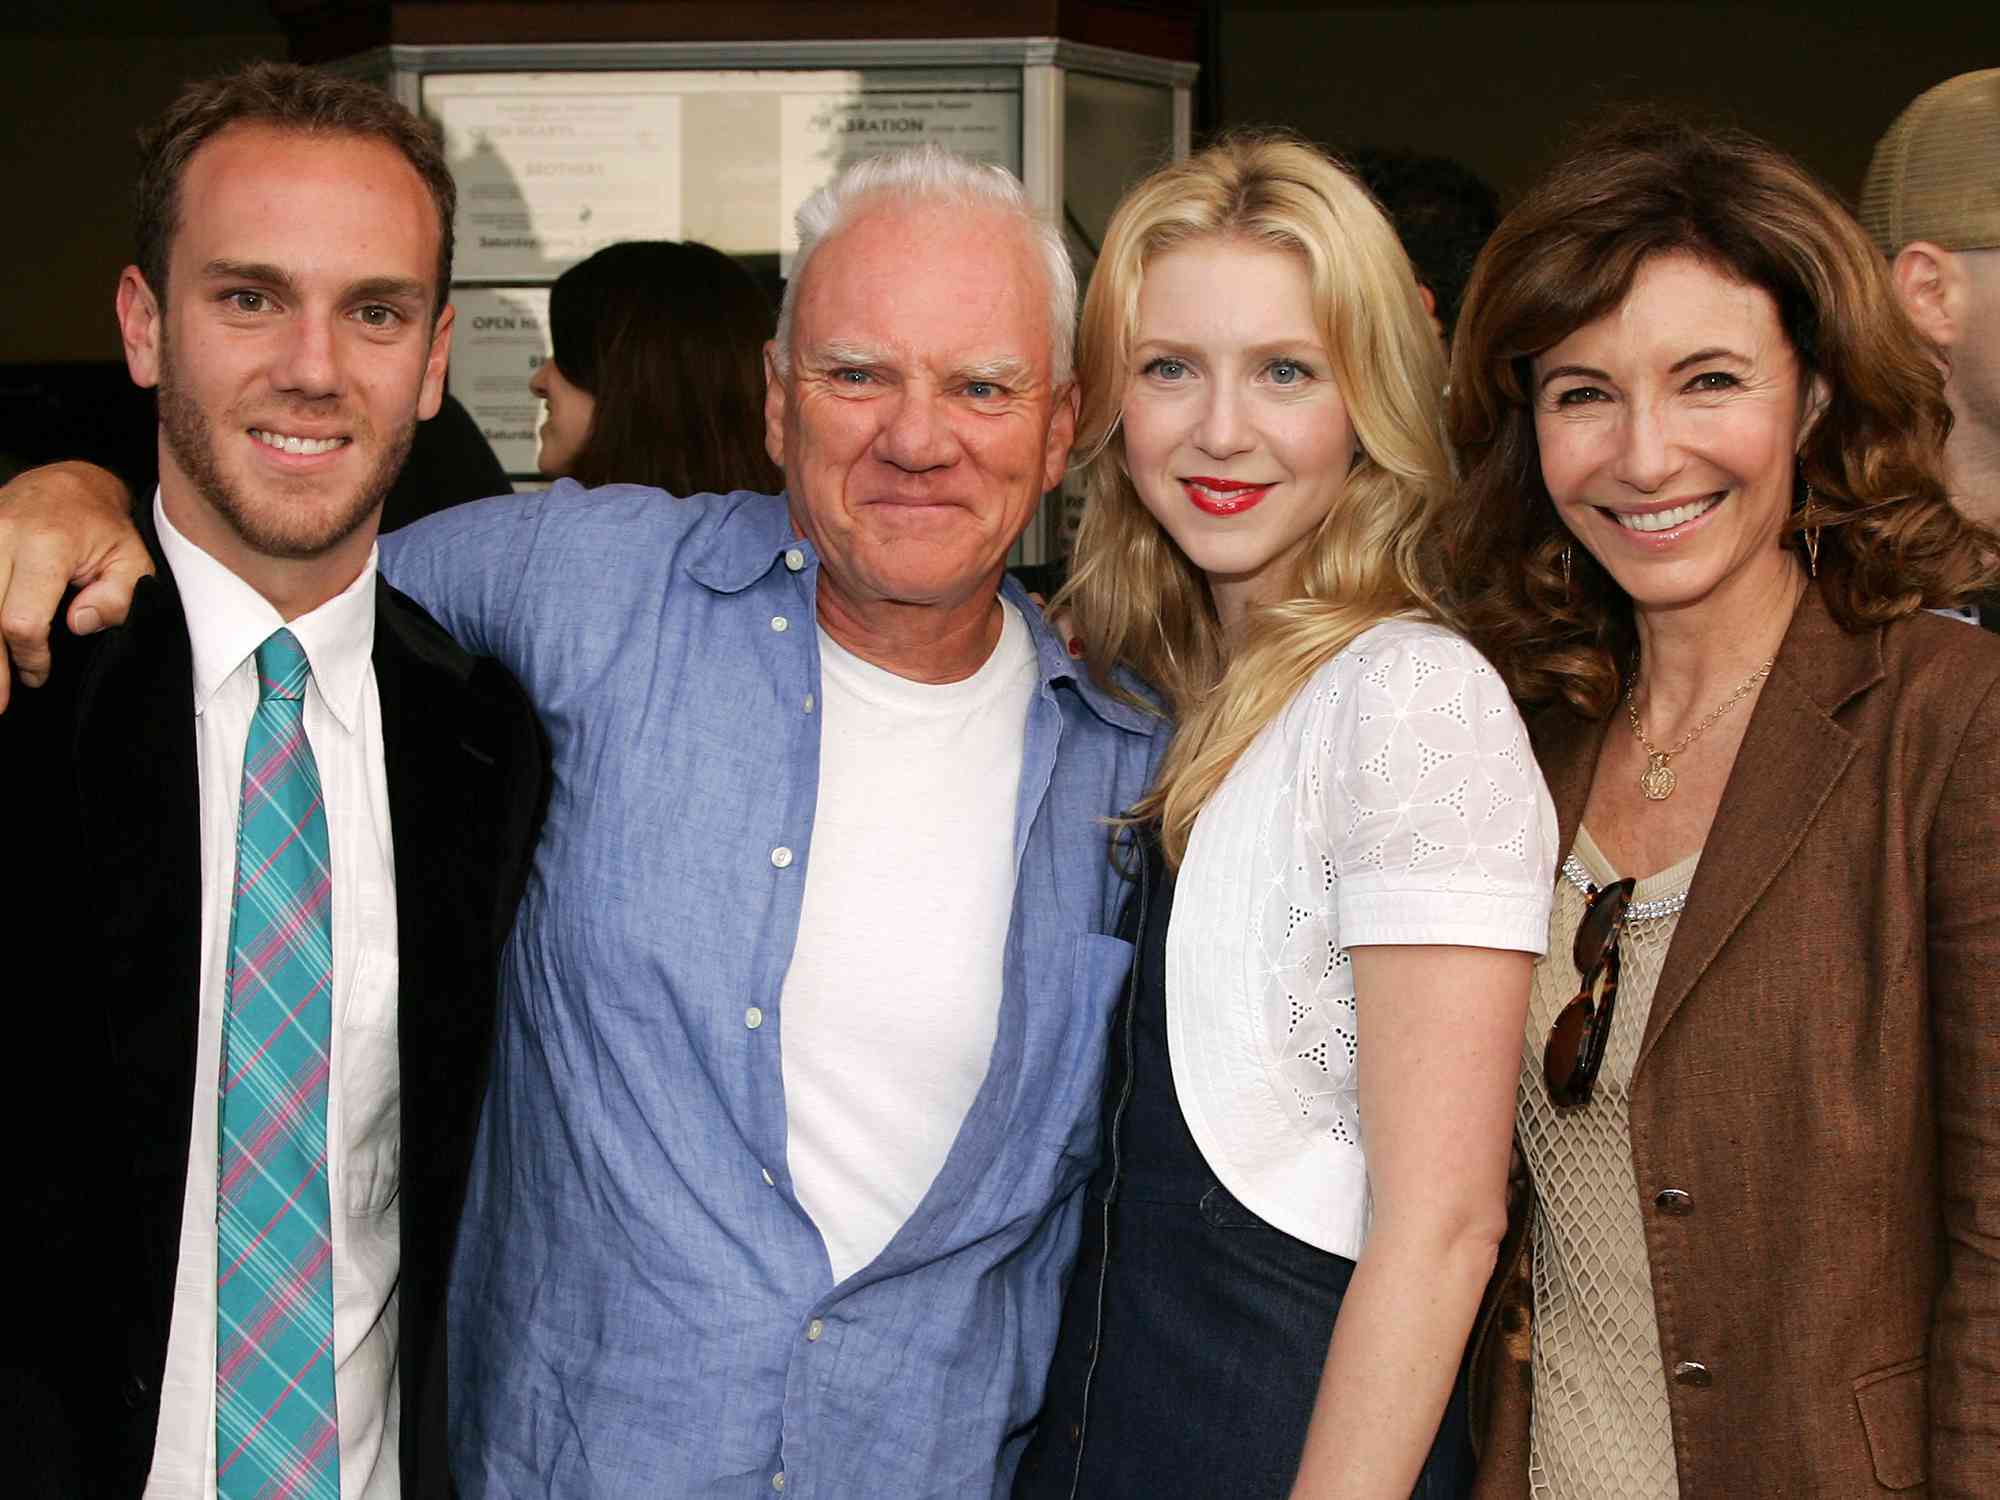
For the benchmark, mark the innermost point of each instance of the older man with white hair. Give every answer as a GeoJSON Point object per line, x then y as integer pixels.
{"type": "Point", "coordinates": [778, 1179]}
{"type": "Point", "coordinates": [806, 1007]}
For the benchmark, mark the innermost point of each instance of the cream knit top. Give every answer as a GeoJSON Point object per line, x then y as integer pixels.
{"type": "Point", "coordinates": [1600, 1426]}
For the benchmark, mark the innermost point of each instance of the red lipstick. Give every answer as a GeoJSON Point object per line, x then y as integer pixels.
{"type": "Point", "coordinates": [1222, 497]}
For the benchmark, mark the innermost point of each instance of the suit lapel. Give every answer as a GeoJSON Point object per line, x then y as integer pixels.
{"type": "Point", "coordinates": [139, 819]}
{"type": "Point", "coordinates": [416, 700]}
{"type": "Point", "coordinates": [140, 799]}
{"type": "Point", "coordinates": [1792, 754]}
{"type": "Point", "coordinates": [443, 789]}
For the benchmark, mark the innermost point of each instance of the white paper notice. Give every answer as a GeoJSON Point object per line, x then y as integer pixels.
{"type": "Point", "coordinates": [553, 170]}
{"type": "Point", "coordinates": [500, 336]}
{"type": "Point", "coordinates": [824, 131]}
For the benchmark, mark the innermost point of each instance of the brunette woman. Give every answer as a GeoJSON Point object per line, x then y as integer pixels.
{"type": "Point", "coordinates": [658, 372]}
{"type": "Point", "coordinates": [1704, 514]}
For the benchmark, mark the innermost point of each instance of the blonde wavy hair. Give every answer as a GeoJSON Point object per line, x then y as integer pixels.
{"type": "Point", "coordinates": [1134, 599]}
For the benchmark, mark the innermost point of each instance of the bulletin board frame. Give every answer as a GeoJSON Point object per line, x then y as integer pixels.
{"type": "Point", "coordinates": [891, 81]}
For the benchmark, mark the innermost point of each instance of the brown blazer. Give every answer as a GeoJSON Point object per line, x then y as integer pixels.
{"type": "Point", "coordinates": [1820, 1075]}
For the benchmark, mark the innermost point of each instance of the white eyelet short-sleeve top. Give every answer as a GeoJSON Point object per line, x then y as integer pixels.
{"type": "Point", "coordinates": [1394, 800]}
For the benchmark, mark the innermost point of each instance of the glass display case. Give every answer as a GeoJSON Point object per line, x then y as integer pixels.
{"type": "Point", "coordinates": [560, 149]}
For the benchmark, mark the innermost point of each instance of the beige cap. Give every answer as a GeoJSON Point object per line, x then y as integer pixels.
{"type": "Point", "coordinates": [1936, 174]}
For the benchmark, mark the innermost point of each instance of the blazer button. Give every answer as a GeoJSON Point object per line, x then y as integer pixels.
{"type": "Point", "coordinates": [135, 1391]}
{"type": "Point", "coordinates": [1674, 1201]}
{"type": "Point", "coordinates": [1687, 1372]}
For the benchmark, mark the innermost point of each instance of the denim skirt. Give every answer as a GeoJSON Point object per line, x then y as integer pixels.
{"type": "Point", "coordinates": [1193, 1333]}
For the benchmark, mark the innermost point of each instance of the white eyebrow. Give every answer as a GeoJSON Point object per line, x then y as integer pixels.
{"type": "Point", "coordinates": [844, 352]}
{"type": "Point", "coordinates": [1002, 371]}
{"type": "Point", "coordinates": [1005, 370]}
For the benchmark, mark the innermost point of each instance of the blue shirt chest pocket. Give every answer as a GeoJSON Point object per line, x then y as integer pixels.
{"type": "Point", "coordinates": [1098, 969]}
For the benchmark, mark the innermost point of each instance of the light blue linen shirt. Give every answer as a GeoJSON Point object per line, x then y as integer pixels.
{"type": "Point", "coordinates": [639, 1305]}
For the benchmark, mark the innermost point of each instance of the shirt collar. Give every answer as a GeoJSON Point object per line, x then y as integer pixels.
{"type": "Point", "coordinates": [752, 533]}
{"type": "Point", "coordinates": [1054, 664]}
{"type": "Point", "coordinates": [227, 620]}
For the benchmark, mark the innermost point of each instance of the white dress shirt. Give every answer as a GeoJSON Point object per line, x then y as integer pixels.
{"type": "Point", "coordinates": [227, 620]}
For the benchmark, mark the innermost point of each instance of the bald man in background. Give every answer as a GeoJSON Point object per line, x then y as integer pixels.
{"type": "Point", "coordinates": [1932, 202]}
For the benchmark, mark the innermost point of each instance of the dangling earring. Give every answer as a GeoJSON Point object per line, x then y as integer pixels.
{"type": "Point", "coordinates": [1566, 547]}
{"type": "Point", "coordinates": [1810, 532]}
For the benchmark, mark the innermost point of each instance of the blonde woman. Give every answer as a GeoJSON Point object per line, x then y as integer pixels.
{"type": "Point", "coordinates": [1347, 861]}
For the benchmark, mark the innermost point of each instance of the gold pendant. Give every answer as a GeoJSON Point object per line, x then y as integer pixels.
{"type": "Point", "coordinates": [1658, 781]}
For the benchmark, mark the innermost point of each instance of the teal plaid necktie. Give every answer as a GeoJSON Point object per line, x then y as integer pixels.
{"type": "Point", "coordinates": [275, 1432]}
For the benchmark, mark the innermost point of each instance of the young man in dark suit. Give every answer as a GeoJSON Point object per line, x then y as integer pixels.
{"type": "Point", "coordinates": [281, 827]}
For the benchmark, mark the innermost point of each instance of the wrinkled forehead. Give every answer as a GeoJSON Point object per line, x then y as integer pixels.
{"type": "Point", "coordinates": [935, 284]}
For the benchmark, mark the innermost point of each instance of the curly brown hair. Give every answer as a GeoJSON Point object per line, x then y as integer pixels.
{"type": "Point", "coordinates": [1645, 186]}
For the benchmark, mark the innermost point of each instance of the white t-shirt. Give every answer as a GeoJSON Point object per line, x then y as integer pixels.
{"type": "Point", "coordinates": [890, 1005]}
{"type": "Point", "coordinates": [1394, 800]}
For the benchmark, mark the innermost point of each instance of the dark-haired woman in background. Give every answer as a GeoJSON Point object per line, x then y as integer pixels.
{"type": "Point", "coordinates": [658, 372]}
{"type": "Point", "coordinates": [1703, 511]}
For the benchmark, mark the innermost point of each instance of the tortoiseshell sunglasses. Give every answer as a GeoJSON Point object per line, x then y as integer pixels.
{"type": "Point", "coordinates": [1575, 1050]}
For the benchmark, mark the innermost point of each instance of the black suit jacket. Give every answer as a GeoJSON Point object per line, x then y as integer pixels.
{"type": "Point", "coordinates": [100, 894]}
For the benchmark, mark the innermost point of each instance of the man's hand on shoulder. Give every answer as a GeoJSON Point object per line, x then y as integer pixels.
{"type": "Point", "coordinates": [63, 525]}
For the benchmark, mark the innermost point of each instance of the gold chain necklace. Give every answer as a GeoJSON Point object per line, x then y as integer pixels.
{"type": "Point", "coordinates": [1657, 781]}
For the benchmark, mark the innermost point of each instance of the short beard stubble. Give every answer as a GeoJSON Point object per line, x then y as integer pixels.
{"type": "Point", "coordinates": [191, 438]}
